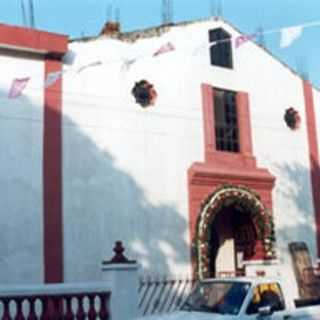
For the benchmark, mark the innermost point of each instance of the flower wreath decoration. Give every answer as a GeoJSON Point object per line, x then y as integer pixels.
{"type": "Point", "coordinates": [292, 118]}
{"type": "Point", "coordinates": [225, 196]}
{"type": "Point", "coordinates": [144, 93]}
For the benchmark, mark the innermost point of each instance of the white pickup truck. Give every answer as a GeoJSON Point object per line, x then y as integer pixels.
{"type": "Point", "coordinates": [242, 298]}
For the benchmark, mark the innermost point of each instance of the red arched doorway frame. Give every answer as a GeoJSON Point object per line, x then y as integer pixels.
{"type": "Point", "coordinates": [231, 196]}
{"type": "Point", "coordinates": [221, 168]}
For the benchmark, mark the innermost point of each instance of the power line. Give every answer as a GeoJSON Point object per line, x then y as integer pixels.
{"type": "Point", "coordinates": [72, 104]}
{"type": "Point", "coordinates": [67, 123]}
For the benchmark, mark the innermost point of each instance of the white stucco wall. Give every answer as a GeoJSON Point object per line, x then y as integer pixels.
{"type": "Point", "coordinates": [273, 88]}
{"type": "Point", "coordinates": [125, 167]}
{"type": "Point", "coordinates": [21, 133]}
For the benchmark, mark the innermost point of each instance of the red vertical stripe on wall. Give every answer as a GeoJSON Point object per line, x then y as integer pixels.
{"type": "Point", "coordinates": [313, 154]}
{"type": "Point", "coordinates": [244, 123]}
{"type": "Point", "coordinates": [52, 178]}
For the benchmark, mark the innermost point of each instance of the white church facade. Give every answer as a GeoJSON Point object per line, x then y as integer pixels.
{"type": "Point", "coordinates": [202, 158]}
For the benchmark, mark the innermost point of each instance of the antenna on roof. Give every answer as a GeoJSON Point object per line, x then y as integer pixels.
{"type": "Point", "coordinates": [213, 8]}
{"type": "Point", "coordinates": [220, 8]}
{"type": "Point", "coordinates": [31, 12]}
{"type": "Point", "coordinates": [260, 36]}
{"type": "Point", "coordinates": [167, 12]}
{"type": "Point", "coordinates": [302, 67]}
{"type": "Point", "coordinates": [24, 14]}
{"type": "Point", "coordinates": [109, 12]}
{"type": "Point", "coordinates": [118, 16]}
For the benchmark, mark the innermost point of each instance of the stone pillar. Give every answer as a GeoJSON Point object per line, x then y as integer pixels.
{"type": "Point", "coordinates": [122, 275]}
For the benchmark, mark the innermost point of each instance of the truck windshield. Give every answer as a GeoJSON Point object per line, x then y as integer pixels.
{"type": "Point", "coordinates": [223, 297]}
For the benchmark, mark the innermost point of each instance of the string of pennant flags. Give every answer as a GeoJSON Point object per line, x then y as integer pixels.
{"type": "Point", "coordinates": [288, 36]}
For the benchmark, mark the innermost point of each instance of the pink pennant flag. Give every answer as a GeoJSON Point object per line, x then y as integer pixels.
{"type": "Point", "coordinates": [18, 85]}
{"type": "Point", "coordinates": [164, 49]}
{"type": "Point", "coordinates": [240, 40]}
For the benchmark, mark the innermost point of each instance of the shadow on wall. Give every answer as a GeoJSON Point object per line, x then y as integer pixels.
{"type": "Point", "coordinates": [295, 188]}
{"type": "Point", "coordinates": [101, 204]}
{"type": "Point", "coordinates": [21, 132]}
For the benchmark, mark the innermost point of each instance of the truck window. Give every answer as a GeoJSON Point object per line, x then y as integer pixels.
{"type": "Point", "coordinates": [267, 294]}
{"type": "Point", "coordinates": [221, 297]}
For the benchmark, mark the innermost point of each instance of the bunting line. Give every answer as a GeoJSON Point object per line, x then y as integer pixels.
{"type": "Point", "coordinates": [288, 35]}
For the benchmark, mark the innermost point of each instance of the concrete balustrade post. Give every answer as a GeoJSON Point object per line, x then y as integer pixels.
{"type": "Point", "coordinates": [122, 275]}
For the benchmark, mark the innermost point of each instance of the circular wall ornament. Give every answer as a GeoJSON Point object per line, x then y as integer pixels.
{"type": "Point", "coordinates": [292, 118]}
{"type": "Point", "coordinates": [144, 93]}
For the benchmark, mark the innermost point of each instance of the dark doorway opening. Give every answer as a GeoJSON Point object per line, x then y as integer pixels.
{"type": "Point", "coordinates": [232, 241]}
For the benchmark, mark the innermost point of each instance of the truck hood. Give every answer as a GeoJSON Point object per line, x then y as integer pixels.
{"type": "Point", "coordinates": [188, 315]}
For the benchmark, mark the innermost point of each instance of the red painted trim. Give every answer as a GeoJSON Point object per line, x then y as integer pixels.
{"type": "Point", "coordinates": [204, 178]}
{"type": "Point", "coordinates": [244, 157]}
{"type": "Point", "coordinates": [226, 167]}
{"type": "Point", "coordinates": [29, 39]}
{"type": "Point", "coordinates": [313, 154]}
{"type": "Point", "coordinates": [54, 46]}
{"type": "Point", "coordinates": [244, 123]}
{"type": "Point", "coordinates": [208, 118]}
{"type": "Point", "coordinates": [52, 178]}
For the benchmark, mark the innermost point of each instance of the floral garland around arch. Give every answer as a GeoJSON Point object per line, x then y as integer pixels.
{"type": "Point", "coordinates": [225, 196]}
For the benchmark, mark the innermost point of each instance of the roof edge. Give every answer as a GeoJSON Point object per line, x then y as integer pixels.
{"type": "Point", "coordinates": [27, 39]}
{"type": "Point", "coordinates": [136, 35]}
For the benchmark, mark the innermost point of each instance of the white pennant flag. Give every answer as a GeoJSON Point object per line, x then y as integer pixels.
{"type": "Point", "coordinates": [289, 35]}
{"type": "Point", "coordinates": [89, 65]}
{"type": "Point", "coordinates": [52, 78]}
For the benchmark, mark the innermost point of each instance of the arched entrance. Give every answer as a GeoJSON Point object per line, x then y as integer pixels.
{"type": "Point", "coordinates": [233, 226]}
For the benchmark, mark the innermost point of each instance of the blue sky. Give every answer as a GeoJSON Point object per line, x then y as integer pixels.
{"type": "Point", "coordinates": [86, 17]}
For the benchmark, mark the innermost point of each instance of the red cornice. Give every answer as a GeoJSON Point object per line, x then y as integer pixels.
{"type": "Point", "coordinates": [26, 39]}
{"type": "Point", "coordinates": [202, 173]}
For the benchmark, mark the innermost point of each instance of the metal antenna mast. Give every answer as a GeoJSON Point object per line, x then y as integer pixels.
{"type": "Point", "coordinates": [118, 15]}
{"type": "Point", "coordinates": [24, 13]}
{"type": "Point", "coordinates": [31, 12]}
{"type": "Point", "coordinates": [167, 12]}
{"type": "Point", "coordinates": [213, 8]}
{"type": "Point", "coordinates": [109, 12]}
{"type": "Point", "coordinates": [260, 36]}
{"type": "Point", "coordinates": [220, 8]}
{"type": "Point", "coordinates": [302, 67]}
